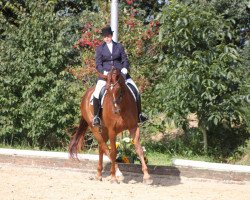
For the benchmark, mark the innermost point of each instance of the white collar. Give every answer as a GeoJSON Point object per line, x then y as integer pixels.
{"type": "Point", "coordinates": [110, 46]}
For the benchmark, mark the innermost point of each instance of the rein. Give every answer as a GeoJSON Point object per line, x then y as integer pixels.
{"type": "Point", "coordinates": [113, 84]}
{"type": "Point", "coordinates": [105, 77]}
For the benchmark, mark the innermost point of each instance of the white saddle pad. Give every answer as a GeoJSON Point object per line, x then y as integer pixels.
{"type": "Point", "coordinates": [92, 96]}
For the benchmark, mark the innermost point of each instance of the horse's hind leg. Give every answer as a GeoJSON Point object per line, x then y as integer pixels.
{"type": "Point", "coordinates": [103, 149]}
{"type": "Point", "coordinates": [135, 133]}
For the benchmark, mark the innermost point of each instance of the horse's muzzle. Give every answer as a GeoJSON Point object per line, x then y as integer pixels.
{"type": "Point", "coordinates": [117, 110]}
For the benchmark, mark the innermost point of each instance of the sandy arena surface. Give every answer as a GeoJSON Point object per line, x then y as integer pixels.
{"type": "Point", "coordinates": [26, 183]}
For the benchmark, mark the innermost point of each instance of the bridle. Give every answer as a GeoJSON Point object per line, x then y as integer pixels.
{"type": "Point", "coordinates": [114, 100]}
{"type": "Point", "coordinates": [112, 85]}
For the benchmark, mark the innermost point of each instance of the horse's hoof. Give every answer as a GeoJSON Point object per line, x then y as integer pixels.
{"type": "Point", "coordinates": [98, 178]}
{"type": "Point", "coordinates": [114, 181]}
{"type": "Point", "coordinates": [120, 178]}
{"type": "Point", "coordinates": [119, 175]}
{"type": "Point", "coordinates": [148, 181]}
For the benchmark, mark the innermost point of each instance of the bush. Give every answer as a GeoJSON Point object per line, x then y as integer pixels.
{"type": "Point", "coordinates": [38, 97]}
{"type": "Point", "coordinates": [199, 71]}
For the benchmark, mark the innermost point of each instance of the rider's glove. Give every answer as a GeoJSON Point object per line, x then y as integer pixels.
{"type": "Point", "coordinates": [124, 70]}
{"type": "Point", "coordinates": [105, 73]}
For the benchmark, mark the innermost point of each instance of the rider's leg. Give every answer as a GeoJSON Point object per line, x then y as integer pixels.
{"type": "Point", "coordinates": [96, 102]}
{"type": "Point", "coordinates": [142, 117]}
{"type": "Point", "coordinates": [96, 120]}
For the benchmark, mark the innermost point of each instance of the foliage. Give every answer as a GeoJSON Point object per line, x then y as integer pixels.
{"type": "Point", "coordinates": [245, 158]}
{"type": "Point", "coordinates": [11, 10]}
{"type": "Point", "coordinates": [226, 142]}
{"type": "Point", "coordinates": [196, 67]}
{"type": "Point", "coordinates": [38, 97]}
{"type": "Point", "coordinates": [177, 143]}
{"type": "Point", "coordinates": [126, 151]}
{"type": "Point", "coordinates": [72, 7]}
{"type": "Point", "coordinates": [246, 63]}
{"type": "Point", "coordinates": [236, 9]}
{"type": "Point", "coordinates": [133, 34]}
{"type": "Point", "coordinates": [144, 10]}
{"type": "Point", "coordinates": [199, 68]}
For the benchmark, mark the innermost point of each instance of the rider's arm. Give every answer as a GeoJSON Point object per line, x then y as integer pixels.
{"type": "Point", "coordinates": [98, 60]}
{"type": "Point", "coordinates": [124, 56]}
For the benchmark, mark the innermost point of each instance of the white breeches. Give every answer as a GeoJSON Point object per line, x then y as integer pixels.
{"type": "Point", "coordinates": [101, 83]}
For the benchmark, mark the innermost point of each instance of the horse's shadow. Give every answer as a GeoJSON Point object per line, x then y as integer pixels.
{"type": "Point", "coordinates": [161, 175]}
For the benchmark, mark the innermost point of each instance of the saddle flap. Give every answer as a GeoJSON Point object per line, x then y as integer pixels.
{"type": "Point", "coordinates": [101, 96]}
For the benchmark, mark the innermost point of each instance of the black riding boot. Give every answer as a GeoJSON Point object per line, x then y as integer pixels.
{"type": "Point", "coordinates": [96, 120]}
{"type": "Point", "coordinates": [141, 117]}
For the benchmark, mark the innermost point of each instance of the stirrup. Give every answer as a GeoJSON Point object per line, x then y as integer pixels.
{"type": "Point", "coordinates": [142, 118]}
{"type": "Point", "coordinates": [96, 121]}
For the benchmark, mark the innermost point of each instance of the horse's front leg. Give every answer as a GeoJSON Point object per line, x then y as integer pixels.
{"type": "Point", "coordinates": [135, 133]}
{"type": "Point", "coordinates": [103, 149]}
{"type": "Point", "coordinates": [113, 153]}
{"type": "Point", "coordinates": [118, 173]}
{"type": "Point", "coordinates": [101, 152]}
{"type": "Point", "coordinates": [100, 165]}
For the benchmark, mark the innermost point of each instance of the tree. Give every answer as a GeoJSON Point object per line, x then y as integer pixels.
{"type": "Point", "coordinates": [40, 96]}
{"type": "Point", "coordinates": [145, 10]}
{"type": "Point", "coordinates": [133, 34]}
{"type": "Point", "coordinates": [37, 97]}
{"type": "Point", "coordinates": [200, 72]}
{"type": "Point", "coordinates": [246, 64]}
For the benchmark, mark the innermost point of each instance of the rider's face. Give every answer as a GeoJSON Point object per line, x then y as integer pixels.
{"type": "Point", "coordinates": [107, 39]}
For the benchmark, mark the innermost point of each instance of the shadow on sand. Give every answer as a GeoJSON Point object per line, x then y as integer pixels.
{"type": "Point", "coordinates": [161, 175]}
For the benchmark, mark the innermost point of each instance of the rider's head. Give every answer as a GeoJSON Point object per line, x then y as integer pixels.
{"type": "Point", "coordinates": [107, 34]}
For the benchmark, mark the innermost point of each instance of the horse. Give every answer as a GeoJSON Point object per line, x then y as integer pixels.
{"type": "Point", "coordinates": [119, 113]}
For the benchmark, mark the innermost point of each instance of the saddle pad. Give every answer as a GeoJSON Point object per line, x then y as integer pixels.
{"type": "Point", "coordinates": [131, 90]}
{"type": "Point", "coordinates": [103, 95]}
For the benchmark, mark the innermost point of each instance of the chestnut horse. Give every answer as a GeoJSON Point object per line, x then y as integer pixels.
{"type": "Point", "coordinates": [119, 113]}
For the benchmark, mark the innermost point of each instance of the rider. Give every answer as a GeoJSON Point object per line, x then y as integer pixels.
{"type": "Point", "coordinates": [107, 55]}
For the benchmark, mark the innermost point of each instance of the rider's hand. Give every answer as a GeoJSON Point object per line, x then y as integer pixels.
{"type": "Point", "coordinates": [124, 70]}
{"type": "Point", "coordinates": [105, 73]}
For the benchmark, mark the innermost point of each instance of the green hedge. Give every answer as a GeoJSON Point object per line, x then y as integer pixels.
{"type": "Point", "coordinates": [37, 97]}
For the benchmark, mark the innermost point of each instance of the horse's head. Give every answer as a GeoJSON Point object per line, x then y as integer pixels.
{"type": "Point", "coordinates": [115, 81]}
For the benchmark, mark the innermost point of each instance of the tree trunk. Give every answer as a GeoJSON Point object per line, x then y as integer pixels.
{"type": "Point", "coordinates": [205, 145]}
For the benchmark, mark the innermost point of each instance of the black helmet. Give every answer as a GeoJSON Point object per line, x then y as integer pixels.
{"type": "Point", "coordinates": [107, 31]}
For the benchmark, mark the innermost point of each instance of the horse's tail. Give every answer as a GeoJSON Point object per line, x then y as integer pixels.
{"type": "Point", "coordinates": [77, 139]}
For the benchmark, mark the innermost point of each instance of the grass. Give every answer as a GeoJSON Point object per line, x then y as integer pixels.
{"type": "Point", "coordinates": [156, 158]}
{"type": "Point", "coordinates": [245, 159]}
